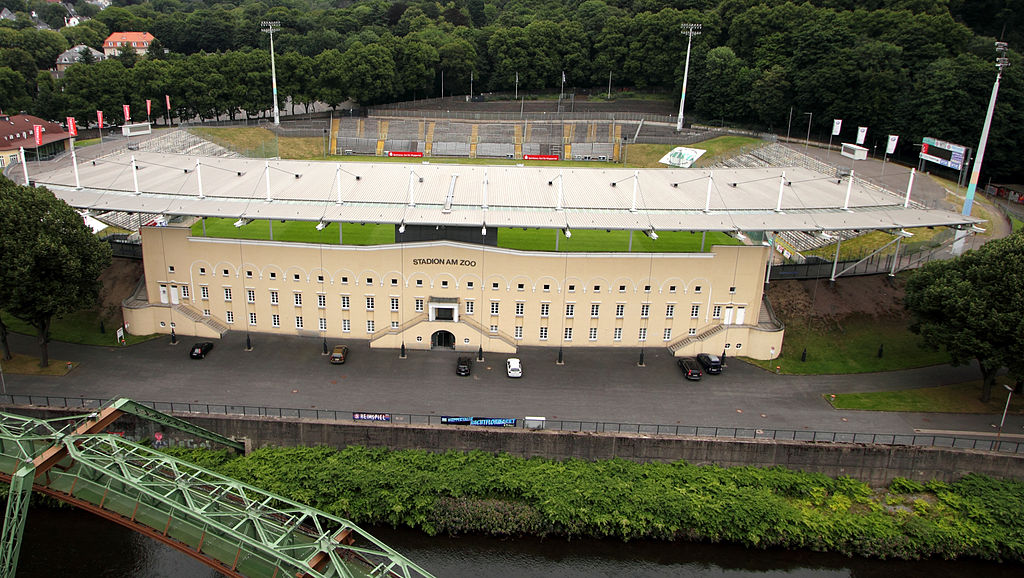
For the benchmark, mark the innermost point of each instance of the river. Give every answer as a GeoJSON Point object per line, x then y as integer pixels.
{"type": "Point", "coordinates": [66, 542]}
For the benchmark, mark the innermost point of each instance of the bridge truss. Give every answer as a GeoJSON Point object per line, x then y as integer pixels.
{"type": "Point", "coordinates": [235, 528]}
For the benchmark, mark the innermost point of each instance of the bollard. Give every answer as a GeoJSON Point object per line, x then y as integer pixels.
{"type": "Point", "coordinates": [803, 356]}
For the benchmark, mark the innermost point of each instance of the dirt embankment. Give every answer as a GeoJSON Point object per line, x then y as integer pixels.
{"type": "Point", "coordinates": [817, 304]}
{"type": "Point", "coordinates": [119, 280]}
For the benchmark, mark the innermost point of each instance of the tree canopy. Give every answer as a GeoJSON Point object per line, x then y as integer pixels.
{"type": "Point", "coordinates": [50, 262]}
{"type": "Point", "coordinates": [973, 307]}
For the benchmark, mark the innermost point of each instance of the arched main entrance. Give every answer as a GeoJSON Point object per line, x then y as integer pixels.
{"type": "Point", "coordinates": [442, 340]}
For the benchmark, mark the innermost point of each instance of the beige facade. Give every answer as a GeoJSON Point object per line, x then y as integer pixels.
{"type": "Point", "coordinates": [456, 294]}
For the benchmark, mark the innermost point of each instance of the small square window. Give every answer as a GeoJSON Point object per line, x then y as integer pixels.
{"type": "Point", "coordinates": [494, 286]}
{"type": "Point", "coordinates": [394, 282]}
{"type": "Point", "coordinates": [622, 288]}
{"type": "Point", "coordinates": [494, 328]}
{"type": "Point", "coordinates": [273, 276]}
{"type": "Point", "coordinates": [520, 286]}
{"type": "Point", "coordinates": [739, 345]}
{"type": "Point", "coordinates": [671, 288]}
{"type": "Point", "coordinates": [369, 280]}
{"type": "Point", "coordinates": [394, 325]}
{"type": "Point", "coordinates": [469, 284]}
{"type": "Point", "coordinates": [547, 287]}
{"type": "Point", "coordinates": [226, 273]}
{"type": "Point", "coordinates": [696, 289]}
{"type": "Point", "coordinates": [202, 270]}
{"type": "Point", "coordinates": [248, 274]}
{"type": "Point", "coordinates": [597, 288]}
{"type": "Point", "coordinates": [693, 331]}
{"type": "Point", "coordinates": [206, 312]}
{"type": "Point", "coordinates": [170, 269]}
{"type": "Point", "coordinates": [319, 278]}
{"type": "Point", "coordinates": [732, 289]}
{"type": "Point", "coordinates": [295, 277]}
{"type": "Point", "coordinates": [419, 282]}
{"type": "Point", "coordinates": [344, 280]}
{"type": "Point", "coordinates": [444, 284]}
{"type": "Point", "coordinates": [727, 346]}
{"type": "Point", "coordinates": [647, 288]}
{"type": "Point", "coordinates": [572, 288]}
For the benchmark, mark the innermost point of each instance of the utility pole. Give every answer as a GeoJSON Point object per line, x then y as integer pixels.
{"type": "Point", "coordinates": [270, 26]}
{"type": "Point", "coordinates": [690, 30]}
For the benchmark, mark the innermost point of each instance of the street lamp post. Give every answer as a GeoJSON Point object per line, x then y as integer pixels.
{"type": "Point", "coordinates": [1001, 62]}
{"type": "Point", "coordinates": [690, 30]}
{"type": "Point", "coordinates": [270, 26]}
{"type": "Point", "coordinates": [1009, 396]}
{"type": "Point", "coordinates": [810, 115]}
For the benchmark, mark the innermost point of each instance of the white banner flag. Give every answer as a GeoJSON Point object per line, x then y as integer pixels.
{"type": "Point", "coordinates": [891, 146]}
{"type": "Point", "coordinates": [837, 126]}
{"type": "Point", "coordinates": [862, 131]}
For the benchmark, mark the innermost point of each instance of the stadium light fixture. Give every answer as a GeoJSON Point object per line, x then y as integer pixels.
{"type": "Point", "coordinates": [320, 226]}
{"type": "Point", "coordinates": [567, 232]}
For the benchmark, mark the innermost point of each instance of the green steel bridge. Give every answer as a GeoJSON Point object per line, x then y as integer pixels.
{"type": "Point", "coordinates": [236, 529]}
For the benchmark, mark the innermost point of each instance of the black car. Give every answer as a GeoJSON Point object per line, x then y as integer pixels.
{"type": "Point", "coordinates": [711, 363]}
{"type": "Point", "coordinates": [199, 350]}
{"type": "Point", "coordinates": [690, 367]}
{"type": "Point", "coordinates": [464, 366]}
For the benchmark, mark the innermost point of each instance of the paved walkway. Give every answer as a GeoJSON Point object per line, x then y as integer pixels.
{"type": "Point", "coordinates": [593, 384]}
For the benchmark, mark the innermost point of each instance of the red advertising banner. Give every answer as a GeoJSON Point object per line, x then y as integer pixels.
{"type": "Point", "coordinates": [127, 114]}
{"type": "Point", "coordinates": [72, 126]}
{"type": "Point", "coordinates": [149, 107]}
{"type": "Point", "coordinates": [38, 130]}
{"type": "Point", "coordinates": [99, 117]}
{"type": "Point", "coordinates": [540, 157]}
{"type": "Point", "coordinates": [404, 154]}
{"type": "Point", "coordinates": [167, 99]}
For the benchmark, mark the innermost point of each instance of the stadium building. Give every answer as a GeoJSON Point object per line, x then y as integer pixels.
{"type": "Point", "coordinates": [442, 278]}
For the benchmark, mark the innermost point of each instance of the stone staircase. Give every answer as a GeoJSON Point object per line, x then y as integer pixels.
{"type": "Point", "coordinates": [700, 336]}
{"type": "Point", "coordinates": [486, 331]}
{"type": "Point", "coordinates": [197, 316]}
{"type": "Point", "coordinates": [395, 331]}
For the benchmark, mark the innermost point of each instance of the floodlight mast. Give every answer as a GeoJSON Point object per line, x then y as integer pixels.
{"type": "Point", "coordinates": [690, 30]}
{"type": "Point", "coordinates": [1001, 63]}
{"type": "Point", "coordinates": [270, 26]}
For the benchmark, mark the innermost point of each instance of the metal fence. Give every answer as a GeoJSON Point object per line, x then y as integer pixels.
{"type": "Point", "coordinates": [735, 433]}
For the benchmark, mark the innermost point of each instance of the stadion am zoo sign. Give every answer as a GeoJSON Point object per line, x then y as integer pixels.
{"type": "Point", "coordinates": [682, 157]}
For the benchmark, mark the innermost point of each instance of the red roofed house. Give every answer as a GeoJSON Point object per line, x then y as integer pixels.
{"type": "Point", "coordinates": [17, 131]}
{"type": "Point", "coordinates": [137, 41]}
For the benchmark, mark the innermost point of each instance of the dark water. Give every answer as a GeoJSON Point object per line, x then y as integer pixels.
{"type": "Point", "coordinates": [67, 542]}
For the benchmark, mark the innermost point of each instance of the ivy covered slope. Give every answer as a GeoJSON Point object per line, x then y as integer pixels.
{"type": "Point", "coordinates": [507, 496]}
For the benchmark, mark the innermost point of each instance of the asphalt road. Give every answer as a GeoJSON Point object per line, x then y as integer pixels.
{"type": "Point", "coordinates": [592, 384]}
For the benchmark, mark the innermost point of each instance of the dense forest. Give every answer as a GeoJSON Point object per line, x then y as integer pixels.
{"type": "Point", "coordinates": [909, 67]}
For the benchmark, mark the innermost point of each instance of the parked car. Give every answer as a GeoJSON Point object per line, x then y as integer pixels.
{"type": "Point", "coordinates": [710, 362]}
{"type": "Point", "coordinates": [464, 366]}
{"type": "Point", "coordinates": [339, 354]}
{"type": "Point", "coordinates": [514, 367]}
{"type": "Point", "coordinates": [691, 369]}
{"type": "Point", "coordinates": [199, 350]}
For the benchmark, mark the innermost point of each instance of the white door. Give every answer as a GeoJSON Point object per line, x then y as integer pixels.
{"type": "Point", "coordinates": [163, 293]}
{"type": "Point", "coordinates": [728, 316]}
{"type": "Point", "coordinates": [740, 314]}
{"type": "Point", "coordinates": [174, 294]}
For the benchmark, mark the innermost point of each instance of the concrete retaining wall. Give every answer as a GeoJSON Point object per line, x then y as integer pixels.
{"type": "Point", "coordinates": [874, 464]}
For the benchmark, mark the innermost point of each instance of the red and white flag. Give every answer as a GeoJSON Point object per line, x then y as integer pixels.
{"type": "Point", "coordinates": [167, 99]}
{"type": "Point", "coordinates": [149, 107]}
{"type": "Point", "coordinates": [72, 127]}
{"type": "Point", "coordinates": [99, 117]}
{"type": "Point", "coordinates": [127, 114]}
{"type": "Point", "coordinates": [38, 130]}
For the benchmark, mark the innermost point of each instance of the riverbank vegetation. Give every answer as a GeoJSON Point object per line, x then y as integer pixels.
{"type": "Point", "coordinates": [502, 495]}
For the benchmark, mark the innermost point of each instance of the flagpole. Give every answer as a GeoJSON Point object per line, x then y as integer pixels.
{"type": "Point", "coordinates": [517, 86]}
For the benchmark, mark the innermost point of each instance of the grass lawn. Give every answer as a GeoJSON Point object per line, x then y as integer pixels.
{"type": "Point", "coordinates": [1017, 223]}
{"type": "Point", "coordinates": [852, 349]}
{"type": "Point", "coordinates": [861, 245]}
{"type": "Point", "coordinates": [958, 398]}
{"type": "Point", "coordinates": [80, 327]}
{"type": "Point", "coordinates": [648, 155]}
{"type": "Point", "coordinates": [29, 365]}
{"type": "Point", "coordinates": [298, 232]}
{"type": "Point", "coordinates": [86, 142]}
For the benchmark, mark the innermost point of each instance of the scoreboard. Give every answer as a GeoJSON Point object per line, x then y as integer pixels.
{"type": "Point", "coordinates": [943, 153]}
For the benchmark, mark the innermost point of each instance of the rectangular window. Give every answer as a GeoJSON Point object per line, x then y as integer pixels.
{"type": "Point", "coordinates": [570, 309]}
{"type": "Point", "coordinates": [369, 305]}
{"type": "Point", "coordinates": [206, 312]}
{"type": "Point", "coordinates": [595, 309]}
{"type": "Point", "coordinates": [321, 301]}
{"type": "Point", "coordinates": [394, 303]}
{"type": "Point", "coordinates": [250, 295]}
{"type": "Point", "coordinates": [494, 307]}
{"type": "Point", "coordinates": [323, 324]}
{"type": "Point", "coordinates": [275, 320]}
{"type": "Point", "coordinates": [230, 316]}
{"type": "Point", "coordinates": [593, 333]}
{"type": "Point", "coordinates": [645, 310]}
{"type": "Point", "coordinates": [695, 311]}
{"type": "Point", "coordinates": [617, 334]}
{"type": "Point", "coordinates": [494, 286]}
{"type": "Point", "coordinates": [520, 308]}
{"type": "Point", "coordinates": [273, 297]}
{"type": "Point", "coordinates": [568, 333]}
{"type": "Point", "coordinates": [394, 325]}
{"type": "Point", "coordinates": [369, 326]}
{"type": "Point", "coordinates": [543, 333]}
{"type": "Point", "coordinates": [319, 278]}
{"type": "Point", "coordinates": [692, 331]}
{"type": "Point", "coordinates": [419, 306]}
{"type": "Point", "coordinates": [469, 307]}
{"type": "Point", "coordinates": [346, 325]}
{"type": "Point", "coordinates": [184, 291]}
{"type": "Point", "coordinates": [518, 332]}
{"type": "Point", "coordinates": [469, 284]}
{"type": "Point", "coordinates": [620, 310]}
{"type": "Point", "coordinates": [227, 294]}
{"type": "Point", "coordinates": [716, 312]}
{"type": "Point", "coordinates": [670, 311]}
{"type": "Point", "coordinates": [394, 282]}
{"type": "Point", "coordinates": [273, 276]}
{"type": "Point", "coordinates": [494, 328]}
{"type": "Point", "coordinates": [545, 309]}
{"type": "Point", "coordinates": [298, 299]}
{"type": "Point", "coordinates": [345, 302]}
{"type": "Point", "coordinates": [732, 289]}
{"type": "Point", "coordinates": [298, 322]}
{"type": "Point", "coordinates": [668, 334]}
{"type": "Point", "coordinates": [696, 289]}
{"type": "Point", "coordinates": [643, 334]}
{"type": "Point", "coordinates": [248, 274]}
{"type": "Point", "coordinates": [252, 319]}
